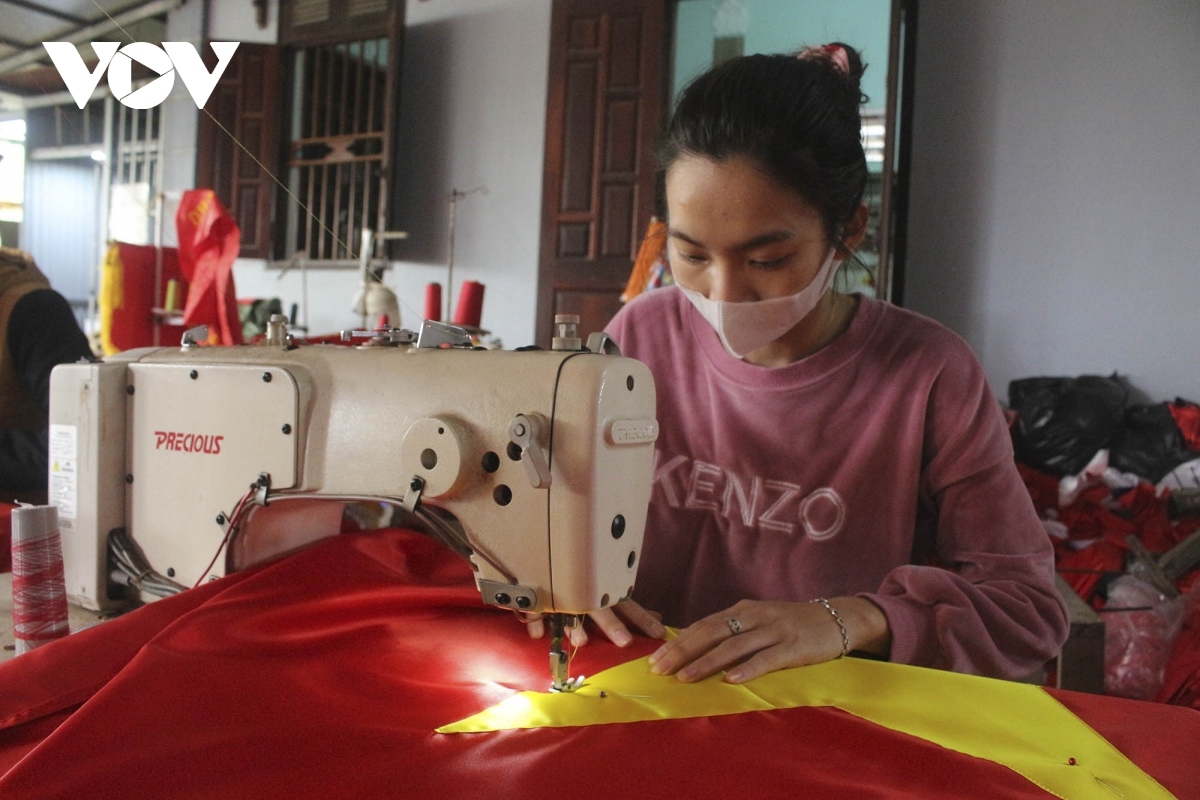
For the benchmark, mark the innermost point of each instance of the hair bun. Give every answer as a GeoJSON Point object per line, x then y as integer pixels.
{"type": "Point", "coordinates": [843, 58]}
{"type": "Point", "coordinates": [837, 54]}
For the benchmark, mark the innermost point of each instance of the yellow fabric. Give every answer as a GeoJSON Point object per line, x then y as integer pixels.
{"type": "Point", "coordinates": [112, 296]}
{"type": "Point", "coordinates": [1017, 725]}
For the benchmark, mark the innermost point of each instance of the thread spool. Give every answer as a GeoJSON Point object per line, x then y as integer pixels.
{"type": "Point", "coordinates": [170, 303]}
{"type": "Point", "coordinates": [39, 589]}
{"type": "Point", "coordinates": [469, 311]}
{"type": "Point", "coordinates": [433, 302]}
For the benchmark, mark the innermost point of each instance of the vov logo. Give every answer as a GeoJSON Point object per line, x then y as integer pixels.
{"type": "Point", "coordinates": [179, 57]}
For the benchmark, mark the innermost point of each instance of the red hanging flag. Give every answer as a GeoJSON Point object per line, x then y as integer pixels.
{"type": "Point", "coordinates": [209, 241]}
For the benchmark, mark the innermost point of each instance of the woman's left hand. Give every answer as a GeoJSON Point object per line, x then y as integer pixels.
{"type": "Point", "coordinates": [756, 637]}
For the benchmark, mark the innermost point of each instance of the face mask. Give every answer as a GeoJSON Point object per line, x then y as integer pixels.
{"type": "Point", "coordinates": [745, 327]}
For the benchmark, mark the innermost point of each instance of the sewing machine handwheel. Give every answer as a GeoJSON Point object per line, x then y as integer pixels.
{"type": "Point", "coordinates": [432, 450]}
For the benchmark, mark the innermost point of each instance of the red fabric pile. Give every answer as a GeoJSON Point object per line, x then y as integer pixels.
{"type": "Point", "coordinates": [1187, 417]}
{"type": "Point", "coordinates": [1095, 551]}
{"type": "Point", "coordinates": [1182, 684]}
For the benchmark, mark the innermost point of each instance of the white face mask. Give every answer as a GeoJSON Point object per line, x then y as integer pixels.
{"type": "Point", "coordinates": [745, 327]}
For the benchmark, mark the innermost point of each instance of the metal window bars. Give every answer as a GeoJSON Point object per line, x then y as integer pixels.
{"type": "Point", "coordinates": [337, 155]}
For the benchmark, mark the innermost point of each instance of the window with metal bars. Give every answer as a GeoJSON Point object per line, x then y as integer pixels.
{"type": "Point", "coordinates": [305, 170]}
{"type": "Point", "coordinates": [342, 62]}
{"type": "Point", "coordinates": [137, 148]}
{"type": "Point", "coordinates": [337, 153]}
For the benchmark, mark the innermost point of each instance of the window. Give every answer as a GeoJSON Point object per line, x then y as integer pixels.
{"type": "Point", "coordinates": [297, 140]}
{"type": "Point", "coordinates": [342, 62]}
{"type": "Point", "coordinates": [337, 151]}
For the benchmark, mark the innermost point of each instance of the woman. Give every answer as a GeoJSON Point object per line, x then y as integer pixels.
{"type": "Point", "coordinates": [833, 474]}
{"type": "Point", "coordinates": [38, 331]}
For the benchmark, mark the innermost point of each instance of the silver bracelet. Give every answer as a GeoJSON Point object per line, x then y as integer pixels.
{"type": "Point", "coordinates": [840, 623]}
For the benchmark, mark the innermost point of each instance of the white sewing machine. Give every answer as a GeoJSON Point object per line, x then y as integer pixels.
{"type": "Point", "coordinates": [535, 465]}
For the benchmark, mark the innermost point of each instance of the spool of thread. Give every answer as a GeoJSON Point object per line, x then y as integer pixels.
{"type": "Point", "coordinates": [169, 304]}
{"type": "Point", "coordinates": [433, 302]}
{"type": "Point", "coordinates": [470, 304]}
{"type": "Point", "coordinates": [39, 590]}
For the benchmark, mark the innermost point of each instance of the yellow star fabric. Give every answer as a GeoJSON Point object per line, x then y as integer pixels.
{"type": "Point", "coordinates": [1017, 725]}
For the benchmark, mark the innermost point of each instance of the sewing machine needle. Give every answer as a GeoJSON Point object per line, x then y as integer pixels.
{"type": "Point", "coordinates": [560, 680]}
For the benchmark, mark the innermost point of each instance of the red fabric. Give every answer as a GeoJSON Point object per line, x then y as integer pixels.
{"type": "Point", "coordinates": [1042, 486]}
{"type": "Point", "coordinates": [132, 323]}
{"type": "Point", "coordinates": [1147, 513]}
{"type": "Point", "coordinates": [1098, 523]}
{"type": "Point", "coordinates": [1146, 732]}
{"type": "Point", "coordinates": [1181, 684]}
{"type": "Point", "coordinates": [1187, 417]}
{"type": "Point", "coordinates": [326, 673]}
{"type": "Point", "coordinates": [209, 241]}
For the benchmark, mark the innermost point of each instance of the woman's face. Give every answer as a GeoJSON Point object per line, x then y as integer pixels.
{"type": "Point", "coordinates": [736, 235]}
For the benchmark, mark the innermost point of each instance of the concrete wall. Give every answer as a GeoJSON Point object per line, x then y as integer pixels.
{"type": "Point", "coordinates": [1056, 186]}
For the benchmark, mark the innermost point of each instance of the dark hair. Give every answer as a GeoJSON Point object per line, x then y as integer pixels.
{"type": "Point", "coordinates": [796, 116]}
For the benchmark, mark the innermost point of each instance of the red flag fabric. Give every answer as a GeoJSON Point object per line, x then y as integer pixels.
{"type": "Point", "coordinates": [1181, 681]}
{"type": "Point", "coordinates": [1187, 417]}
{"type": "Point", "coordinates": [209, 241]}
{"type": "Point", "coordinates": [127, 300]}
{"type": "Point", "coordinates": [326, 673]}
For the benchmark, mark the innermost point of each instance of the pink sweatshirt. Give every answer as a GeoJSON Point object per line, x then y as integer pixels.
{"type": "Point", "coordinates": [845, 473]}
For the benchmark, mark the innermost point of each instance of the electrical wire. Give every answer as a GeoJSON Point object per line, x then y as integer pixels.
{"type": "Point", "coordinates": [235, 519]}
{"type": "Point", "coordinates": [130, 567]}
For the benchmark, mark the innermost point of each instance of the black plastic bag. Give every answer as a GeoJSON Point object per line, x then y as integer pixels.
{"type": "Point", "coordinates": [1062, 422]}
{"type": "Point", "coordinates": [1149, 443]}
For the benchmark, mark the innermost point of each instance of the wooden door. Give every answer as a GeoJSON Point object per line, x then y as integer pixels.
{"type": "Point", "coordinates": [608, 65]}
{"type": "Point", "coordinates": [237, 142]}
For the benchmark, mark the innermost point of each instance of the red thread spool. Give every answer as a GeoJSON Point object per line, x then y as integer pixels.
{"type": "Point", "coordinates": [433, 302]}
{"type": "Point", "coordinates": [39, 590]}
{"type": "Point", "coordinates": [470, 304]}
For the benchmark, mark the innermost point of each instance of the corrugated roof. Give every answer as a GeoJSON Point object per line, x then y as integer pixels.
{"type": "Point", "coordinates": [25, 68]}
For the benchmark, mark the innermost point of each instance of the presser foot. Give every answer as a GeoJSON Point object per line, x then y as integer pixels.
{"type": "Point", "coordinates": [560, 679]}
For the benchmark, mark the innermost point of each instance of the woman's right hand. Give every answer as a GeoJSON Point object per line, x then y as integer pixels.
{"type": "Point", "coordinates": [613, 622]}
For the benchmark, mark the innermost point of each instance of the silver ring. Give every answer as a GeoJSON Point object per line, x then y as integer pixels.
{"type": "Point", "coordinates": [734, 625]}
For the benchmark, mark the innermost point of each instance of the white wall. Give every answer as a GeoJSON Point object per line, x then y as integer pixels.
{"type": "Point", "coordinates": [1056, 186]}
{"type": "Point", "coordinates": [237, 21]}
{"type": "Point", "coordinates": [179, 113]}
{"type": "Point", "coordinates": [473, 110]}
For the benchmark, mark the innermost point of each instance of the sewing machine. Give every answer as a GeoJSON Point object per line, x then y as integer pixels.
{"type": "Point", "coordinates": [173, 466]}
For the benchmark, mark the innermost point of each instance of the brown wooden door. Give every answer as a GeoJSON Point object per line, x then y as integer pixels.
{"type": "Point", "coordinates": [608, 63]}
{"type": "Point", "coordinates": [239, 125]}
